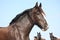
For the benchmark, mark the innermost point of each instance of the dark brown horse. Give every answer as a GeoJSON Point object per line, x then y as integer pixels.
{"type": "Point", "coordinates": [52, 37]}
{"type": "Point", "coordinates": [20, 27]}
{"type": "Point", "coordinates": [39, 36]}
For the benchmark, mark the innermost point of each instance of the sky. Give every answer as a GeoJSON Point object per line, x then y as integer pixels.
{"type": "Point", "coordinates": [10, 8]}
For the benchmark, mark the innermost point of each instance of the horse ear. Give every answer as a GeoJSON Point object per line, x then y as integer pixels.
{"type": "Point", "coordinates": [40, 5]}
{"type": "Point", "coordinates": [36, 5]}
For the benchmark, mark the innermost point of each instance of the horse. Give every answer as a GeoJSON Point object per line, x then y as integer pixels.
{"type": "Point", "coordinates": [20, 26]}
{"type": "Point", "coordinates": [35, 38]}
{"type": "Point", "coordinates": [39, 36]}
{"type": "Point", "coordinates": [52, 37]}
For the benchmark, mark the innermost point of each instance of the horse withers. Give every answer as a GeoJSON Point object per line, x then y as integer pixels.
{"type": "Point", "coordinates": [21, 26]}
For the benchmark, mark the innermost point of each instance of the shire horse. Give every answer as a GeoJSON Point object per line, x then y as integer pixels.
{"type": "Point", "coordinates": [39, 36]}
{"type": "Point", "coordinates": [21, 26]}
{"type": "Point", "coordinates": [52, 37]}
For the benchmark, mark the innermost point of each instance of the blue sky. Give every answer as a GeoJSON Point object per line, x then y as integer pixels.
{"type": "Point", "coordinates": [10, 8]}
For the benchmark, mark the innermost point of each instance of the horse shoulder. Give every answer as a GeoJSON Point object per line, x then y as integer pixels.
{"type": "Point", "coordinates": [4, 33]}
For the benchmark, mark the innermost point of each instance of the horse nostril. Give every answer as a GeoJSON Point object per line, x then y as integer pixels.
{"type": "Point", "coordinates": [47, 28]}
{"type": "Point", "coordinates": [46, 24]}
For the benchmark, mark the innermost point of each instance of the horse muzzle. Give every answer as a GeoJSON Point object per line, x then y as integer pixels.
{"type": "Point", "coordinates": [44, 29]}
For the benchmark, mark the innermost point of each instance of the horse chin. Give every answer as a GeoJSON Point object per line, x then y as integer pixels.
{"type": "Point", "coordinates": [45, 29]}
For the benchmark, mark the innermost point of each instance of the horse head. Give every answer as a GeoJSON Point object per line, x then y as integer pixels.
{"type": "Point", "coordinates": [38, 17]}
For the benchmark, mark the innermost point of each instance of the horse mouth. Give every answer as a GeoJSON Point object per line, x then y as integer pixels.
{"type": "Point", "coordinates": [44, 29]}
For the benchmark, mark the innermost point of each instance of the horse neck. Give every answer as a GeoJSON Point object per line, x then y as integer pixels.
{"type": "Point", "coordinates": [25, 24]}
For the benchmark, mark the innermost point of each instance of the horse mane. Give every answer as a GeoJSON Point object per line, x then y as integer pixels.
{"type": "Point", "coordinates": [18, 16]}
